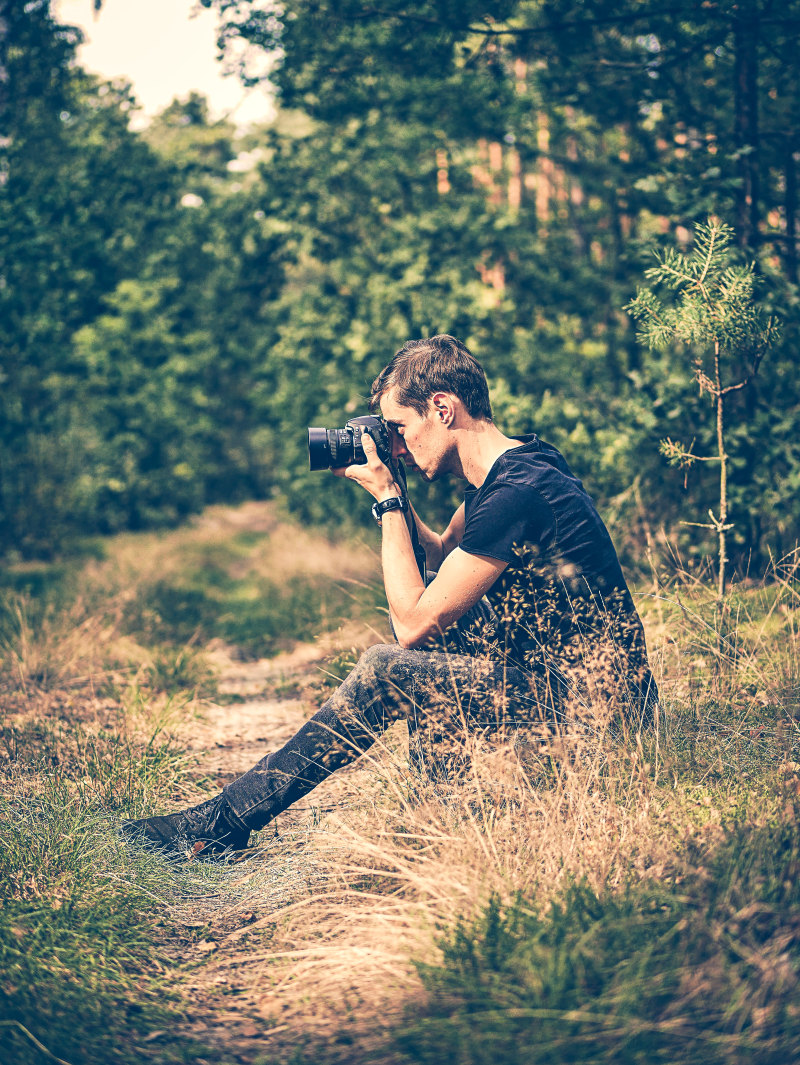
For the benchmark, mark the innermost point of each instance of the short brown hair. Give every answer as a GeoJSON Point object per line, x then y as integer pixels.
{"type": "Point", "coordinates": [437, 364]}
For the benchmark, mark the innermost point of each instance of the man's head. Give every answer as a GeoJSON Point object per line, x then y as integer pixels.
{"type": "Point", "coordinates": [429, 389]}
{"type": "Point", "coordinates": [438, 364]}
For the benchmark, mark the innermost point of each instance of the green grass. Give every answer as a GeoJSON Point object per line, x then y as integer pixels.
{"type": "Point", "coordinates": [700, 966]}
{"type": "Point", "coordinates": [82, 968]}
{"type": "Point", "coordinates": [221, 590]}
{"type": "Point", "coordinates": [258, 616]}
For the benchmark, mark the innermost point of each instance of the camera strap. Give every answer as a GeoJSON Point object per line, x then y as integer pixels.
{"type": "Point", "coordinates": [399, 472]}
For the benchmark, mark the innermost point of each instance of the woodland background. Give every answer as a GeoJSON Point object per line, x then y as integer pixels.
{"type": "Point", "coordinates": [179, 303]}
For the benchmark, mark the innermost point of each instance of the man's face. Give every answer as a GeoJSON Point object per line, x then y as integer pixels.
{"type": "Point", "coordinates": [420, 440]}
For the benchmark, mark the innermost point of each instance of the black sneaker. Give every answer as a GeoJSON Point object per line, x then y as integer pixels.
{"type": "Point", "coordinates": [200, 832]}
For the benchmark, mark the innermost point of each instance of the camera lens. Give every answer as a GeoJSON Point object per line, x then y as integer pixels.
{"type": "Point", "coordinates": [319, 452]}
{"type": "Point", "coordinates": [330, 448]}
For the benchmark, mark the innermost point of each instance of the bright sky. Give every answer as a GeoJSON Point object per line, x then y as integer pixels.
{"type": "Point", "coordinates": [166, 48]}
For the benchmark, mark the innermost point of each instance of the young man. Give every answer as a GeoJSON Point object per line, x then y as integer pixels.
{"type": "Point", "coordinates": [528, 616]}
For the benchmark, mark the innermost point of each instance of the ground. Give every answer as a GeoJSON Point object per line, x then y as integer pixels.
{"type": "Point", "coordinates": [387, 917]}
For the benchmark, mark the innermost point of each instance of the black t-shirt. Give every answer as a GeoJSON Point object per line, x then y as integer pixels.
{"type": "Point", "coordinates": [531, 497]}
{"type": "Point", "coordinates": [563, 594]}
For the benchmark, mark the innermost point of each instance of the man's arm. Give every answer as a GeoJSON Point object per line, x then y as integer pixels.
{"type": "Point", "coordinates": [438, 547]}
{"type": "Point", "coordinates": [419, 613]}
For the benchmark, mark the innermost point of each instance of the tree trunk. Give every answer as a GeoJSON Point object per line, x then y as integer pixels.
{"type": "Point", "coordinates": [723, 478]}
{"type": "Point", "coordinates": [746, 30]}
{"type": "Point", "coordinates": [722, 608]}
{"type": "Point", "coordinates": [790, 210]}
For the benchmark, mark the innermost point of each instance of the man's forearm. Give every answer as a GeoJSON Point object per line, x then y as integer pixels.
{"type": "Point", "coordinates": [401, 577]}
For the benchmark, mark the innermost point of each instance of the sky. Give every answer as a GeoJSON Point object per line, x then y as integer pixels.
{"type": "Point", "coordinates": [166, 48]}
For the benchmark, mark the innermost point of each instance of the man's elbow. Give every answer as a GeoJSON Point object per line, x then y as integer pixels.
{"type": "Point", "coordinates": [412, 643]}
{"type": "Point", "coordinates": [413, 637]}
{"type": "Point", "coordinates": [417, 633]}
{"type": "Point", "coordinates": [434, 556]}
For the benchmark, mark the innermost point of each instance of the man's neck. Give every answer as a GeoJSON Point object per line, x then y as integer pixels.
{"type": "Point", "coordinates": [478, 448]}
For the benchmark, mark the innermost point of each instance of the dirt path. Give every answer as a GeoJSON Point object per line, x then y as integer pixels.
{"type": "Point", "coordinates": [236, 1015]}
{"type": "Point", "coordinates": [231, 737]}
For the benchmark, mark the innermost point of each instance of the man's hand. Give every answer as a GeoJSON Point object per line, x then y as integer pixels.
{"type": "Point", "coordinates": [375, 476]}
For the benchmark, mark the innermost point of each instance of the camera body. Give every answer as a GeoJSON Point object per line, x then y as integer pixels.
{"type": "Point", "coordinates": [328, 449]}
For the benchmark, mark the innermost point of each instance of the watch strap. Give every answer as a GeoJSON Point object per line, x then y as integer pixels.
{"type": "Point", "coordinates": [386, 505]}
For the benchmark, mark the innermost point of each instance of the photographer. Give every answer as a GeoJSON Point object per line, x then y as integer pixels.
{"type": "Point", "coordinates": [527, 620]}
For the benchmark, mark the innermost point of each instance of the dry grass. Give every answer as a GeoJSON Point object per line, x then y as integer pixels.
{"type": "Point", "coordinates": [405, 859]}
{"type": "Point", "coordinates": [401, 860]}
{"type": "Point", "coordinates": [330, 917]}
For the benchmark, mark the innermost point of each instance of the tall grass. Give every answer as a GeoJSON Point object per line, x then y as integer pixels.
{"type": "Point", "coordinates": [102, 666]}
{"type": "Point", "coordinates": [699, 965]}
{"type": "Point", "coordinates": [81, 974]}
{"type": "Point", "coordinates": [576, 896]}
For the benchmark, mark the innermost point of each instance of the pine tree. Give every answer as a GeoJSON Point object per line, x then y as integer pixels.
{"type": "Point", "coordinates": [715, 318]}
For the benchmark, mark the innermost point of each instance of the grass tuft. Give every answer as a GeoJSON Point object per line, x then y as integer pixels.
{"type": "Point", "coordinates": [699, 965]}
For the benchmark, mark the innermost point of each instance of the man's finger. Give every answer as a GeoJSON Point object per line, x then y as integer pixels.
{"type": "Point", "coordinates": [371, 451]}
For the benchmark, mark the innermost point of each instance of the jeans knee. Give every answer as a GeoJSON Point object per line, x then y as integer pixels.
{"type": "Point", "coordinates": [380, 658]}
{"type": "Point", "coordinates": [388, 666]}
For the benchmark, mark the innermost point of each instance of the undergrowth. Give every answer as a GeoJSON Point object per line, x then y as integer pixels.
{"type": "Point", "coordinates": [583, 897]}
{"type": "Point", "coordinates": [699, 965]}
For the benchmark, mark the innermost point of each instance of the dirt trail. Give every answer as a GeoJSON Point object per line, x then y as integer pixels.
{"type": "Point", "coordinates": [231, 737]}
{"type": "Point", "coordinates": [235, 1012]}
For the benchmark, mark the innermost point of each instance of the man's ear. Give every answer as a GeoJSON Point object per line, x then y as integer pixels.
{"type": "Point", "coordinates": [444, 406]}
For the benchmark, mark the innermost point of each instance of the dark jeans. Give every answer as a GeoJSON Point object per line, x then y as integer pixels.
{"type": "Point", "coordinates": [442, 696]}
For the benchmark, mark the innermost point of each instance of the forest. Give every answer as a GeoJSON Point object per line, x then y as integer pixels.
{"type": "Point", "coordinates": [180, 303]}
{"type": "Point", "coordinates": [601, 200]}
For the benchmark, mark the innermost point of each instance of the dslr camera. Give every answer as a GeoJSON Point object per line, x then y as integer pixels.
{"type": "Point", "coordinates": [328, 449]}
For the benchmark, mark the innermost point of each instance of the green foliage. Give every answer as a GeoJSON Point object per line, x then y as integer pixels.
{"type": "Point", "coordinates": [181, 303]}
{"type": "Point", "coordinates": [82, 199]}
{"type": "Point", "coordinates": [132, 358]}
{"type": "Point", "coordinates": [701, 965]}
{"type": "Point", "coordinates": [716, 317]}
{"type": "Point", "coordinates": [715, 299]}
{"type": "Point", "coordinates": [631, 108]}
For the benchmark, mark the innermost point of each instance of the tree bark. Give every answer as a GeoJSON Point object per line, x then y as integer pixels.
{"type": "Point", "coordinates": [746, 31]}
{"type": "Point", "coordinates": [790, 211]}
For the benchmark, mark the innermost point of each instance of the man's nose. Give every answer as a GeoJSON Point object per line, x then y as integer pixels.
{"type": "Point", "coordinates": [399, 450]}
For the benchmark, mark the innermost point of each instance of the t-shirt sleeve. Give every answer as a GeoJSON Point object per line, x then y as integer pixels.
{"type": "Point", "coordinates": [504, 515]}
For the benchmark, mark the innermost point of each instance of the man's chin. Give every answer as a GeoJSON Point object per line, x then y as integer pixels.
{"type": "Point", "coordinates": [421, 473]}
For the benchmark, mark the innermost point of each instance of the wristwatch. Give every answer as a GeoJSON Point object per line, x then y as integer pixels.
{"type": "Point", "coordinates": [392, 503]}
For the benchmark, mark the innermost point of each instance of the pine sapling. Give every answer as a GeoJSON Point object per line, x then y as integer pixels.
{"type": "Point", "coordinates": [714, 316]}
